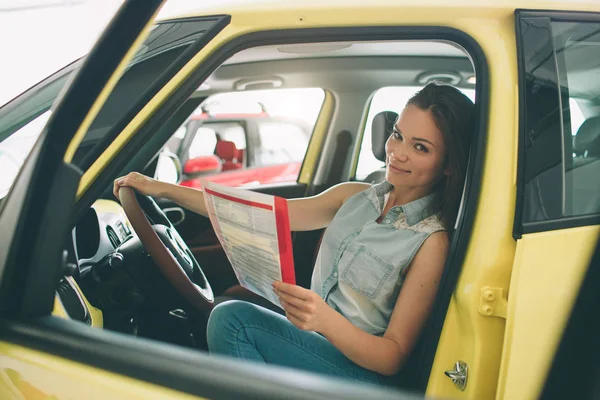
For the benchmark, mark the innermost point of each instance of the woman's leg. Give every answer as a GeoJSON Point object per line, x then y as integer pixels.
{"type": "Point", "coordinates": [245, 330]}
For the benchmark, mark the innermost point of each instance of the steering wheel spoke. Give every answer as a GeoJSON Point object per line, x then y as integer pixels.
{"type": "Point", "coordinates": [168, 250]}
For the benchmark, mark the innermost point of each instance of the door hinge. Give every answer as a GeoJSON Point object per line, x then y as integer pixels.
{"type": "Point", "coordinates": [493, 302]}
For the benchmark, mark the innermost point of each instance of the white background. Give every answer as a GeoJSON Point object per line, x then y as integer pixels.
{"type": "Point", "coordinates": [38, 37]}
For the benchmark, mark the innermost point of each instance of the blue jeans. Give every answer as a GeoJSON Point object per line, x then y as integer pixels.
{"type": "Point", "coordinates": [245, 330]}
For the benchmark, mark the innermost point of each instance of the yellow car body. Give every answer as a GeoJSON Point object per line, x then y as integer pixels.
{"type": "Point", "coordinates": [513, 295]}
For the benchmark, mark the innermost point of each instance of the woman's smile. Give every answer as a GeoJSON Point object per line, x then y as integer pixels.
{"type": "Point", "coordinates": [398, 170]}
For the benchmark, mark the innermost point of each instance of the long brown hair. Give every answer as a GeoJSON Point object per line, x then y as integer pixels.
{"type": "Point", "coordinates": [454, 115]}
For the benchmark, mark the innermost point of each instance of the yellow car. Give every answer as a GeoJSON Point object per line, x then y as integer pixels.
{"type": "Point", "coordinates": [88, 312]}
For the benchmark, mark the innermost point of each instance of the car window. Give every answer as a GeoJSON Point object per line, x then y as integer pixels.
{"type": "Point", "coordinates": [280, 143]}
{"type": "Point", "coordinates": [15, 149]}
{"type": "Point", "coordinates": [158, 59]}
{"type": "Point", "coordinates": [561, 137]}
{"type": "Point", "coordinates": [176, 140]}
{"type": "Point", "coordinates": [205, 140]}
{"type": "Point", "coordinates": [577, 117]}
{"type": "Point", "coordinates": [22, 121]}
{"type": "Point", "coordinates": [203, 144]}
{"type": "Point", "coordinates": [248, 138]}
{"type": "Point", "coordinates": [392, 98]}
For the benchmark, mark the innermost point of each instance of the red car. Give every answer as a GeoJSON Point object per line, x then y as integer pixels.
{"type": "Point", "coordinates": [240, 149]}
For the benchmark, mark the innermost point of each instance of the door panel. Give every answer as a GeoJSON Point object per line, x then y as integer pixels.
{"type": "Point", "coordinates": [546, 277]}
{"type": "Point", "coordinates": [27, 374]}
{"type": "Point", "coordinates": [167, 370]}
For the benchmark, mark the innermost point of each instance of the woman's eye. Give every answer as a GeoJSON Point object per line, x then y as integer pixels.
{"type": "Point", "coordinates": [422, 148]}
{"type": "Point", "coordinates": [396, 134]}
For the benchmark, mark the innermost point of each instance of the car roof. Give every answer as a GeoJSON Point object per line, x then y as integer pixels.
{"type": "Point", "coordinates": [234, 7]}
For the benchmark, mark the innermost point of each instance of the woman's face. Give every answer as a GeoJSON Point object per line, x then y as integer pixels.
{"type": "Point", "coordinates": [415, 152]}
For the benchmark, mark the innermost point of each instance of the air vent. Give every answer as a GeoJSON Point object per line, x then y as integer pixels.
{"type": "Point", "coordinates": [113, 237]}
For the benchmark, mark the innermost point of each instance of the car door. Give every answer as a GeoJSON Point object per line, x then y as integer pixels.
{"type": "Point", "coordinates": [558, 203]}
{"type": "Point", "coordinates": [45, 191]}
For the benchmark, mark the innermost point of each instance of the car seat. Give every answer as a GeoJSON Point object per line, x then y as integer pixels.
{"type": "Point", "coordinates": [583, 177]}
{"type": "Point", "coordinates": [381, 129]}
{"type": "Point", "coordinates": [228, 152]}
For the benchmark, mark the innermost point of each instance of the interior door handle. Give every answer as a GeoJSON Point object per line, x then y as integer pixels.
{"type": "Point", "coordinates": [175, 214]}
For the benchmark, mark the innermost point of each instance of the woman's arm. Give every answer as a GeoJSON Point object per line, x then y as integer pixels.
{"type": "Point", "coordinates": [316, 212]}
{"type": "Point", "coordinates": [305, 213]}
{"type": "Point", "coordinates": [385, 354]}
{"type": "Point", "coordinates": [189, 198]}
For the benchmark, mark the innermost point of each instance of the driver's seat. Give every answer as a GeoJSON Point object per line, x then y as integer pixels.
{"type": "Point", "coordinates": [381, 129]}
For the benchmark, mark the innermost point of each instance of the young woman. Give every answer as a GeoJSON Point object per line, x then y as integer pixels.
{"type": "Point", "coordinates": [381, 257]}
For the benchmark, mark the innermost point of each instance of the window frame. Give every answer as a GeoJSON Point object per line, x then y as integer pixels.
{"type": "Point", "coordinates": [565, 222]}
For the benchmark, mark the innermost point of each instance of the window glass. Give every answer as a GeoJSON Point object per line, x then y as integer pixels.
{"type": "Point", "coordinates": [175, 140]}
{"type": "Point", "coordinates": [392, 98]}
{"type": "Point", "coordinates": [280, 143]}
{"type": "Point", "coordinates": [15, 149]}
{"type": "Point", "coordinates": [578, 47]}
{"type": "Point", "coordinates": [204, 143]}
{"type": "Point", "coordinates": [22, 121]}
{"type": "Point", "coordinates": [255, 137]}
{"type": "Point", "coordinates": [577, 117]}
{"type": "Point", "coordinates": [561, 171]}
{"type": "Point", "coordinates": [233, 132]}
{"type": "Point", "coordinates": [157, 60]}
{"type": "Point", "coordinates": [205, 140]}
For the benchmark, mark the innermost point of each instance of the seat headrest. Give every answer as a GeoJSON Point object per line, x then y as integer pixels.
{"type": "Point", "coordinates": [588, 136]}
{"type": "Point", "coordinates": [381, 129]}
{"type": "Point", "coordinates": [226, 150]}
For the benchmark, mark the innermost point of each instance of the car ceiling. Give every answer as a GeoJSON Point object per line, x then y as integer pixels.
{"type": "Point", "coordinates": [341, 67]}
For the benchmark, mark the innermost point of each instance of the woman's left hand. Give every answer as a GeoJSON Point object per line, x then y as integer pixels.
{"type": "Point", "coordinates": [303, 308]}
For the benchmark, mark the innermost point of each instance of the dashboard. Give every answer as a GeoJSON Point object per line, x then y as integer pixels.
{"type": "Point", "coordinates": [96, 238]}
{"type": "Point", "coordinates": [100, 232]}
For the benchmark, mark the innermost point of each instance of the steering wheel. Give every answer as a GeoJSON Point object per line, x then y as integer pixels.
{"type": "Point", "coordinates": [167, 249]}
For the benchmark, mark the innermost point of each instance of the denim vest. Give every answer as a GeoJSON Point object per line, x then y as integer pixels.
{"type": "Point", "coordinates": [361, 264]}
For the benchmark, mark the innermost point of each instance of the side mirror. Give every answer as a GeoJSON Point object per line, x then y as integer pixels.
{"type": "Point", "coordinates": [168, 168]}
{"type": "Point", "coordinates": [203, 165]}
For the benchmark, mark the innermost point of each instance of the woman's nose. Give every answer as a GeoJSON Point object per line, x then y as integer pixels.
{"type": "Point", "coordinates": [399, 154]}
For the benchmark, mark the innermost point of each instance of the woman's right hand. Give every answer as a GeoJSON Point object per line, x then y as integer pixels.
{"type": "Point", "coordinates": [141, 183]}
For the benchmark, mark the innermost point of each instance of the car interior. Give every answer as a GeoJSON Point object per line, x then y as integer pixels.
{"type": "Point", "coordinates": [108, 267]}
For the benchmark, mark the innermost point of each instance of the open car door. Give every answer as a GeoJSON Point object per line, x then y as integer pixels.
{"type": "Point", "coordinates": [34, 220]}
